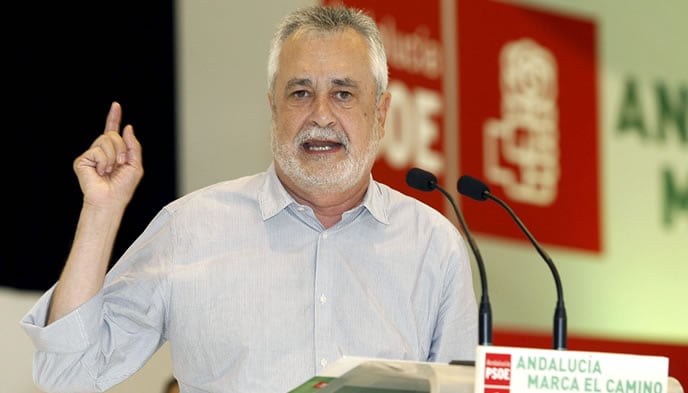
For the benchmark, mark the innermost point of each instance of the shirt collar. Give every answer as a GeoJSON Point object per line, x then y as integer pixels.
{"type": "Point", "coordinates": [273, 197]}
{"type": "Point", "coordinates": [374, 201]}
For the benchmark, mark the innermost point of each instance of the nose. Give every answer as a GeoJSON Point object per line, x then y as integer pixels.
{"type": "Point", "coordinates": [323, 114]}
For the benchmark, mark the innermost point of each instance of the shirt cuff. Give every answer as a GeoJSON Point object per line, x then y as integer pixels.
{"type": "Point", "coordinates": [71, 333]}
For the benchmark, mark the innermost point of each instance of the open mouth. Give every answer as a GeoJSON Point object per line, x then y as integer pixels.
{"type": "Point", "coordinates": [320, 146]}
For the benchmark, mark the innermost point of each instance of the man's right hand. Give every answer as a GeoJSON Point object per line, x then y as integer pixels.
{"type": "Point", "coordinates": [110, 170]}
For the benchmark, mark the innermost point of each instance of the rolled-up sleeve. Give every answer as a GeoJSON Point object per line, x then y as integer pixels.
{"type": "Point", "coordinates": [71, 333]}
{"type": "Point", "coordinates": [112, 335]}
{"type": "Point", "coordinates": [66, 339]}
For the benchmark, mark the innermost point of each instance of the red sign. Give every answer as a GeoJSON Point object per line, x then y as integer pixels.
{"type": "Point", "coordinates": [529, 121]}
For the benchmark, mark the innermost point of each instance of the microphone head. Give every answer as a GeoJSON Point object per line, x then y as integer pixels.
{"type": "Point", "coordinates": [421, 179]}
{"type": "Point", "coordinates": [473, 188]}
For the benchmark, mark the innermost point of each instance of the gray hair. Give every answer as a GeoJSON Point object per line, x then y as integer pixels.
{"type": "Point", "coordinates": [331, 19]}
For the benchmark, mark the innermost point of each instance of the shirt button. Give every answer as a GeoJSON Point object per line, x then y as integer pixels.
{"type": "Point", "coordinates": [323, 362]}
{"type": "Point", "coordinates": [323, 299]}
{"type": "Point", "coordinates": [300, 208]}
{"type": "Point", "coordinates": [324, 235]}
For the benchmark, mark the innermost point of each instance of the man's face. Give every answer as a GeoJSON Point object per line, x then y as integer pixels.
{"type": "Point", "coordinates": [326, 126]}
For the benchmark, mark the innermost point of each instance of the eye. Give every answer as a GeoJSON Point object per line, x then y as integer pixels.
{"type": "Point", "coordinates": [344, 95]}
{"type": "Point", "coordinates": [300, 94]}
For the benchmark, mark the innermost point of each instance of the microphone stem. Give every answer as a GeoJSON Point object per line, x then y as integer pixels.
{"type": "Point", "coordinates": [559, 336]}
{"type": "Point", "coordinates": [484, 310]}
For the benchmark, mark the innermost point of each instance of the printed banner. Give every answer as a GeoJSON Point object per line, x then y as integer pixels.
{"type": "Point", "coordinates": [527, 370]}
{"type": "Point", "coordinates": [528, 104]}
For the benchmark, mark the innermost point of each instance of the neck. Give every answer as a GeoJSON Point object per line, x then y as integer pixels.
{"type": "Point", "coordinates": [327, 206]}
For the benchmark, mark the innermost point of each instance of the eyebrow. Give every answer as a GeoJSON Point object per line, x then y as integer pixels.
{"type": "Point", "coordinates": [345, 82]}
{"type": "Point", "coordinates": [299, 82]}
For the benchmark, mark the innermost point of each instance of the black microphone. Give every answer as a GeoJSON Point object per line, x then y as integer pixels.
{"type": "Point", "coordinates": [426, 181]}
{"type": "Point", "coordinates": [474, 188]}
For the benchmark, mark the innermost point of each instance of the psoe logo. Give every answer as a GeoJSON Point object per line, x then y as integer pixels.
{"type": "Point", "coordinates": [528, 124]}
{"type": "Point", "coordinates": [526, 136]}
{"type": "Point", "coordinates": [497, 372]}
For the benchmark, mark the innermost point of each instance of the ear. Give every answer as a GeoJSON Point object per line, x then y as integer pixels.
{"type": "Point", "coordinates": [271, 102]}
{"type": "Point", "coordinates": [382, 108]}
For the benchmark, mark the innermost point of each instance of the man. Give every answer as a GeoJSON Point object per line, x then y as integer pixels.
{"type": "Point", "coordinates": [261, 282]}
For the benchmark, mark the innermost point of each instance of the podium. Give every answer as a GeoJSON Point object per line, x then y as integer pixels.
{"type": "Point", "coordinates": [532, 371]}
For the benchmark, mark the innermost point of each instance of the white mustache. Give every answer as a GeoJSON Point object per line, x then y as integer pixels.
{"type": "Point", "coordinates": [322, 133]}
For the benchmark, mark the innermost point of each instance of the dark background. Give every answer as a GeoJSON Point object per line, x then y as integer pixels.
{"type": "Point", "coordinates": [67, 63]}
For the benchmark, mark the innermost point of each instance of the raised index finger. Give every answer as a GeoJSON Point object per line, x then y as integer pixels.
{"type": "Point", "coordinates": [114, 118]}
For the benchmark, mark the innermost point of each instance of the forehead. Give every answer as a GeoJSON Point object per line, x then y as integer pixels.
{"type": "Point", "coordinates": [313, 54]}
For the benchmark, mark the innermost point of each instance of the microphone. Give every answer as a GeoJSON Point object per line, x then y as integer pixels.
{"type": "Point", "coordinates": [426, 181]}
{"type": "Point", "coordinates": [475, 189]}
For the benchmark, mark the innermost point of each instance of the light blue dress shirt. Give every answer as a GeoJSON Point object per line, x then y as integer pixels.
{"type": "Point", "coordinates": [254, 295]}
